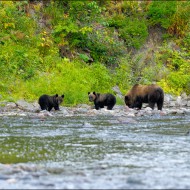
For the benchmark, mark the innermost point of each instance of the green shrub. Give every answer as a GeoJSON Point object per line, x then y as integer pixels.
{"type": "Point", "coordinates": [122, 74]}
{"type": "Point", "coordinates": [177, 78]}
{"type": "Point", "coordinates": [74, 79]}
{"type": "Point", "coordinates": [117, 21]}
{"type": "Point", "coordinates": [161, 13]}
{"type": "Point", "coordinates": [134, 33]}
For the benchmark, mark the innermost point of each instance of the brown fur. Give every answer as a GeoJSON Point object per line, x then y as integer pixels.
{"type": "Point", "coordinates": [150, 94]}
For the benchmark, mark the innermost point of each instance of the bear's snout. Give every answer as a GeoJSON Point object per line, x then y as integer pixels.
{"type": "Point", "coordinates": [91, 99]}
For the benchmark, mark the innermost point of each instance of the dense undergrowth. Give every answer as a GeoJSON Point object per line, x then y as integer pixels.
{"type": "Point", "coordinates": [72, 47]}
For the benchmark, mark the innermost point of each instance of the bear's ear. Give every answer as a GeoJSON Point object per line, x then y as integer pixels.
{"type": "Point", "coordinates": [63, 96]}
{"type": "Point", "coordinates": [56, 95]}
{"type": "Point", "coordinates": [94, 93]}
{"type": "Point", "coordinates": [88, 93]}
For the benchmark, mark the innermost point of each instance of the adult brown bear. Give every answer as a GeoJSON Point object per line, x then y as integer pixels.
{"type": "Point", "coordinates": [101, 100]}
{"type": "Point", "coordinates": [139, 94]}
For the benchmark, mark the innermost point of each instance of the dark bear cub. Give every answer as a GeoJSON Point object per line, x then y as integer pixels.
{"type": "Point", "coordinates": [48, 102]}
{"type": "Point", "coordinates": [101, 100]}
{"type": "Point", "coordinates": [139, 94]}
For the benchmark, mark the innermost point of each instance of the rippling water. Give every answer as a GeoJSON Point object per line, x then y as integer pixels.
{"type": "Point", "coordinates": [98, 152]}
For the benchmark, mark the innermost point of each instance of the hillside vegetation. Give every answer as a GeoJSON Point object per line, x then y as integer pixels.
{"type": "Point", "coordinates": [73, 47]}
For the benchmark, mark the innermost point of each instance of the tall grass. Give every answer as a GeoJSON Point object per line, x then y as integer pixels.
{"type": "Point", "coordinates": [73, 79]}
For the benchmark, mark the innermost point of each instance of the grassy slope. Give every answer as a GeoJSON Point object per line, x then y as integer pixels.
{"type": "Point", "coordinates": [122, 51]}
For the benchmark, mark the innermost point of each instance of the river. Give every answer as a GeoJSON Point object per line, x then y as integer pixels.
{"type": "Point", "coordinates": [94, 151]}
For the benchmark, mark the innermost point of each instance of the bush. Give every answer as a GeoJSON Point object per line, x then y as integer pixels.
{"type": "Point", "coordinates": [177, 79]}
{"type": "Point", "coordinates": [134, 33]}
{"type": "Point", "coordinates": [74, 79]}
{"type": "Point", "coordinates": [161, 13]}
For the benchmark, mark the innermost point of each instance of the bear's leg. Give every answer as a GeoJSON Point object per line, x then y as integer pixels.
{"type": "Point", "coordinates": [49, 108]}
{"type": "Point", "coordinates": [56, 107]}
{"type": "Point", "coordinates": [44, 107]}
{"type": "Point", "coordinates": [96, 107]}
{"type": "Point", "coordinates": [151, 104]}
{"type": "Point", "coordinates": [137, 104]}
{"type": "Point", "coordinates": [110, 107]}
{"type": "Point", "coordinates": [159, 105]}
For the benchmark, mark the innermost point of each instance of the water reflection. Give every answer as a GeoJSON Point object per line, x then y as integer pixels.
{"type": "Point", "coordinates": [94, 152]}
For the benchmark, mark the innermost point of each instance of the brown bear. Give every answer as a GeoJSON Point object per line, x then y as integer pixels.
{"type": "Point", "coordinates": [140, 94]}
{"type": "Point", "coordinates": [48, 102]}
{"type": "Point", "coordinates": [101, 100]}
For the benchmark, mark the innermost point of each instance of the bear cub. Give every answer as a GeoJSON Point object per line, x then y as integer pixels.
{"type": "Point", "coordinates": [47, 102]}
{"type": "Point", "coordinates": [139, 94]}
{"type": "Point", "coordinates": [101, 100]}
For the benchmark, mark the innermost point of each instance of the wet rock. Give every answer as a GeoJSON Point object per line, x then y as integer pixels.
{"type": "Point", "coordinates": [140, 113]}
{"type": "Point", "coordinates": [184, 96]}
{"type": "Point", "coordinates": [178, 101]}
{"type": "Point", "coordinates": [10, 105]}
{"type": "Point", "coordinates": [126, 120]}
{"type": "Point", "coordinates": [64, 111]}
{"type": "Point", "coordinates": [83, 106]}
{"type": "Point", "coordinates": [23, 105]}
{"type": "Point", "coordinates": [44, 113]}
{"type": "Point", "coordinates": [131, 115]}
{"type": "Point", "coordinates": [183, 103]}
{"type": "Point", "coordinates": [148, 109]}
{"type": "Point", "coordinates": [180, 112]}
{"type": "Point", "coordinates": [172, 104]}
{"type": "Point", "coordinates": [104, 111]}
{"type": "Point", "coordinates": [167, 99]}
{"type": "Point", "coordinates": [162, 113]}
{"type": "Point", "coordinates": [172, 111]}
{"type": "Point", "coordinates": [117, 92]}
{"type": "Point", "coordinates": [82, 110]}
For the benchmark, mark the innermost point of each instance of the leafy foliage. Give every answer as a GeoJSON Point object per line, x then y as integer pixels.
{"type": "Point", "coordinates": [134, 33]}
{"type": "Point", "coordinates": [171, 15]}
{"type": "Point", "coordinates": [72, 79]}
{"type": "Point", "coordinates": [106, 41]}
{"type": "Point", "coordinates": [178, 69]}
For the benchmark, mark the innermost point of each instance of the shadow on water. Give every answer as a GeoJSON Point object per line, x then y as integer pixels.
{"type": "Point", "coordinates": [97, 152]}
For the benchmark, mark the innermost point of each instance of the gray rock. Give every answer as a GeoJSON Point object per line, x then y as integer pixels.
{"type": "Point", "coordinates": [10, 105]}
{"type": "Point", "coordinates": [172, 104]}
{"type": "Point", "coordinates": [178, 101]}
{"type": "Point", "coordinates": [183, 103]}
{"type": "Point", "coordinates": [117, 90]}
{"type": "Point", "coordinates": [148, 109]}
{"type": "Point", "coordinates": [184, 96]}
{"type": "Point", "coordinates": [23, 105]}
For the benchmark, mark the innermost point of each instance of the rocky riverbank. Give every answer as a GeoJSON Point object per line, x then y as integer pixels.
{"type": "Point", "coordinates": [172, 105]}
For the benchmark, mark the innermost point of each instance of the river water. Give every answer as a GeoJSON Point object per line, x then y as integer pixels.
{"type": "Point", "coordinates": [94, 152]}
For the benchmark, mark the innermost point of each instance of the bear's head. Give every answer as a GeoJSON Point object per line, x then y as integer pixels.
{"type": "Point", "coordinates": [128, 101]}
{"type": "Point", "coordinates": [59, 99]}
{"type": "Point", "coordinates": [91, 96]}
